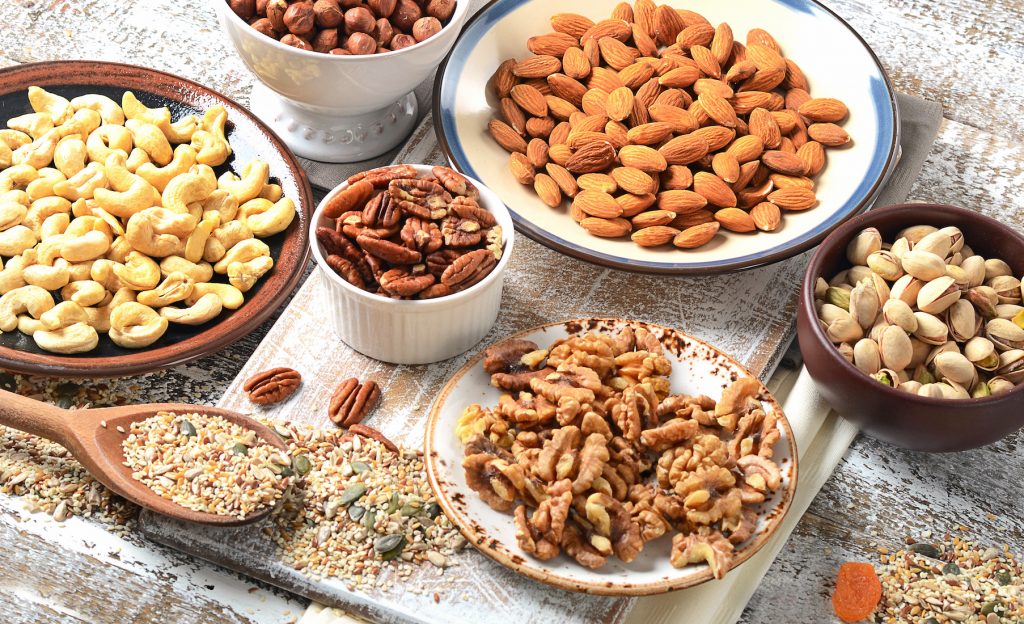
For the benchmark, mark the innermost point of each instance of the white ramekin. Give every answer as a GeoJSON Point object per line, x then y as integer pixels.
{"type": "Point", "coordinates": [414, 332]}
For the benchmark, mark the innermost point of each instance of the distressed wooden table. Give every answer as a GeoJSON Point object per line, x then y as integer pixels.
{"type": "Point", "coordinates": [964, 53]}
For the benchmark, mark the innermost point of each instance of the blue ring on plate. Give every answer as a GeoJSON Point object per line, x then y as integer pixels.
{"type": "Point", "coordinates": [882, 164]}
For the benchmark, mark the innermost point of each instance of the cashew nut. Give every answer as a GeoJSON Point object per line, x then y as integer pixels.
{"type": "Point", "coordinates": [84, 292]}
{"type": "Point", "coordinates": [130, 194]}
{"type": "Point", "coordinates": [204, 309]}
{"type": "Point", "coordinates": [88, 223]}
{"type": "Point", "coordinates": [223, 203]}
{"type": "Point", "coordinates": [99, 317]}
{"type": "Point", "coordinates": [242, 251]}
{"type": "Point", "coordinates": [210, 141]}
{"type": "Point", "coordinates": [198, 272]}
{"type": "Point", "coordinates": [102, 271]}
{"type": "Point", "coordinates": [43, 208]}
{"type": "Point", "coordinates": [14, 138]}
{"type": "Point", "coordinates": [136, 110]}
{"type": "Point", "coordinates": [230, 297]}
{"type": "Point", "coordinates": [253, 207]}
{"type": "Point", "coordinates": [139, 271]}
{"type": "Point", "coordinates": [12, 276]}
{"type": "Point", "coordinates": [272, 221]}
{"type": "Point", "coordinates": [243, 275]}
{"type": "Point", "coordinates": [119, 249]}
{"type": "Point", "coordinates": [46, 252]}
{"type": "Point", "coordinates": [159, 232]}
{"type": "Point", "coordinates": [175, 287]}
{"type": "Point", "coordinates": [80, 272]}
{"type": "Point", "coordinates": [15, 240]}
{"type": "Point", "coordinates": [11, 214]}
{"type": "Point", "coordinates": [273, 192]}
{"type": "Point", "coordinates": [16, 196]}
{"type": "Point", "coordinates": [83, 184]}
{"type": "Point", "coordinates": [17, 177]}
{"type": "Point", "coordinates": [75, 338]}
{"type": "Point", "coordinates": [195, 245]}
{"type": "Point", "coordinates": [31, 299]}
{"type": "Point", "coordinates": [33, 124]}
{"type": "Point", "coordinates": [133, 325]}
{"type": "Point", "coordinates": [89, 246]}
{"type": "Point", "coordinates": [38, 153]}
{"type": "Point", "coordinates": [136, 159]}
{"type": "Point", "coordinates": [224, 238]}
{"type": "Point", "coordinates": [108, 109]}
{"type": "Point", "coordinates": [107, 138]}
{"type": "Point", "coordinates": [28, 325]}
{"type": "Point", "coordinates": [50, 277]}
{"type": "Point", "coordinates": [82, 123]}
{"type": "Point", "coordinates": [184, 159]}
{"type": "Point", "coordinates": [254, 176]}
{"type": "Point", "coordinates": [194, 186]}
{"type": "Point", "coordinates": [114, 227]}
{"type": "Point", "coordinates": [54, 225]}
{"type": "Point", "coordinates": [151, 140]}
{"type": "Point", "coordinates": [6, 156]}
{"type": "Point", "coordinates": [42, 101]}
{"type": "Point", "coordinates": [42, 186]}
{"type": "Point", "coordinates": [180, 131]}
{"type": "Point", "coordinates": [63, 314]}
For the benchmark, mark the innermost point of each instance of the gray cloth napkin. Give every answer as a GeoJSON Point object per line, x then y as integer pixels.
{"type": "Point", "coordinates": [919, 123]}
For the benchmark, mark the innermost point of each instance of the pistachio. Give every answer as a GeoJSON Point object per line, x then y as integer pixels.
{"type": "Point", "coordinates": [858, 274]}
{"type": "Point", "coordinates": [910, 386]}
{"type": "Point", "coordinates": [1011, 312]}
{"type": "Point", "coordinates": [981, 390]}
{"type": "Point", "coordinates": [881, 287]}
{"type": "Point", "coordinates": [984, 299]}
{"type": "Point", "coordinates": [960, 277]}
{"type": "Point", "coordinates": [947, 347]}
{"type": "Point", "coordinates": [923, 265]}
{"type": "Point", "coordinates": [938, 242]}
{"type": "Point", "coordinates": [955, 367]}
{"type": "Point", "coordinates": [994, 267]}
{"type": "Point", "coordinates": [1000, 385]}
{"type": "Point", "coordinates": [846, 351]}
{"type": "Point", "coordinates": [962, 321]}
{"type": "Point", "coordinates": [894, 348]}
{"type": "Point", "coordinates": [831, 312]}
{"type": "Point", "coordinates": [900, 247]}
{"type": "Point", "coordinates": [886, 264]}
{"type": "Point", "coordinates": [1007, 288]}
{"type": "Point", "coordinates": [921, 351]}
{"type": "Point", "coordinates": [1011, 366]}
{"type": "Point", "coordinates": [887, 377]}
{"type": "Point", "coordinates": [937, 295]}
{"type": "Point", "coordinates": [915, 233]}
{"type": "Point", "coordinates": [844, 329]}
{"type": "Point", "coordinates": [930, 329]}
{"type": "Point", "coordinates": [931, 390]}
{"type": "Point", "coordinates": [925, 549]}
{"type": "Point", "coordinates": [974, 267]}
{"type": "Point", "coordinates": [302, 465]}
{"type": "Point", "coordinates": [863, 303]}
{"type": "Point", "coordinates": [866, 356]}
{"type": "Point", "coordinates": [906, 288]}
{"type": "Point", "coordinates": [897, 312]}
{"type": "Point", "coordinates": [868, 241]}
{"type": "Point", "coordinates": [839, 278]}
{"type": "Point", "coordinates": [982, 353]}
{"type": "Point", "coordinates": [820, 286]}
{"type": "Point", "coordinates": [923, 376]}
{"type": "Point", "coordinates": [955, 390]}
{"type": "Point", "coordinates": [839, 297]}
{"type": "Point", "coordinates": [1005, 334]}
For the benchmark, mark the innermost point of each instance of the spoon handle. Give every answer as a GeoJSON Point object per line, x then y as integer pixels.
{"type": "Point", "coordinates": [35, 417]}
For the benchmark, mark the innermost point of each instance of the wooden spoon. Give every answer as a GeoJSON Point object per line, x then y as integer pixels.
{"type": "Point", "coordinates": [98, 448]}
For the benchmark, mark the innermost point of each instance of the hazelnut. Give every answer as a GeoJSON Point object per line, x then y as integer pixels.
{"type": "Point", "coordinates": [402, 41]}
{"type": "Point", "coordinates": [405, 15]}
{"type": "Point", "coordinates": [326, 40]}
{"type": "Point", "coordinates": [299, 19]}
{"type": "Point", "coordinates": [275, 13]}
{"type": "Point", "coordinates": [425, 28]}
{"type": "Point", "coordinates": [351, 4]}
{"type": "Point", "coordinates": [244, 9]}
{"type": "Point", "coordinates": [328, 14]}
{"type": "Point", "coordinates": [384, 32]}
{"type": "Point", "coordinates": [340, 52]}
{"type": "Point", "coordinates": [264, 27]}
{"type": "Point", "coordinates": [359, 20]}
{"type": "Point", "coordinates": [361, 43]}
{"type": "Point", "coordinates": [441, 9]}
{"type": "Point", "coordinates": [382, 8]}
{"type": "Point", "coordinates": [261, 7]}
{"type": "Point", "coordinates": [296, 42]}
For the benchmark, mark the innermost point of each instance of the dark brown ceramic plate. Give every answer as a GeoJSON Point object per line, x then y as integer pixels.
{"type": "Point", "coordinates": [249, 139]}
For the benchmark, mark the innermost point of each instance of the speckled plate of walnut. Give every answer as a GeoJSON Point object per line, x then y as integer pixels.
{"type": "Point", "coordinates": [611, 457]}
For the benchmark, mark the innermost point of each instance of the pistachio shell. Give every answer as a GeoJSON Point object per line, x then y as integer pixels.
{"type": "Point", "coordinates": [956, 237]}
{"type": "Point", "coordinates": [1011, 366]}
{"type": "Point", "coordinates": [923, 376]}
{"type": "Point", "coordinates": [937, 295]}
{"type": "Point", "coordinates": [846, 351]}
{"type": "Point", "coordinates": [864, 304]}
{"type": "Point", "coordinates": [844, 330]}
{"type": "Point", "coordinates": [947, 347]}
{"type": "Point", "coordinates": [960, 277]}
{"type": "Point", "coordinates": [954, 259]}
{"type": "Point", "coordinates": [866, 356]}
{"type": "Point", "coordinates": [900, 247]}
{"type": "Point", "coordinates": [886, 264]}
{"type": "Point", "coordinates": [954, 366]}
{"type": "Point", "coordinates": [984, 299]}
{"type": "Point", "coordinates": [858, 274]}
{"type": "Point", "coordinates": [923, 265]}
{"type": "Point", "coordinates": [866, 242]}
{"type": "Point", "coordinates": [830, 312]}
{"type": "Point", "coordinates": [910, 386]}
{"type": "Point", "coordinates": [994, 267]}
{"type": "Point", "coordinates": [881, 286]}
{"type": "Point", "coordinates": [921, 351]}
{"type": "Point", "coordinates": [1005, 334]}
{"type": "Point", "coordinates": [974, 267]}
{"type": "Point", "coordinates": [820, 286]}
{"type": "Point", "coordinates": [1011, 312]}
{"type": "Point", "coordinates": [875, 333]}
{"type": "Point", "coordinates": [982, 353]}
{"type": "Point", "coordinates": [839, 278]}
{"type": "Point", "coordinates": [1000, 385]}
{"type": "Point", "coordinates": [915, 233]}
{"type": "Point", "coordinates": [839, 297]}
{"type": "Point", "coordinates": [895, 348]}
{"type": "Point", "coordinates": [1007, 288]}
{"type": "Point", "coordinates": [953, 390]}
{"type": "Point", "coordinates": [930, 329]}
{"type": "Point", "coordinates": [962, 321]}
{"type": "Point", "coordinates": [897, 312]}
{"type": "Point", "coordinates": [938, 243]}
{"type": "Point", "coordinates": [931, 390]}
{"type": "Point", "coordinates": [906, 289]}
{"type": "Point", "coordinates": [888, 377]}
{"type": "Point", "coordinates": [980, 390]}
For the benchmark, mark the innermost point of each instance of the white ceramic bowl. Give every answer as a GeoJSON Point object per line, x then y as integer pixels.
{"type": "Point", "coordinates": [836, 60]}
{"type": "Point", "coordinates": [337, 108]}
{"type": "Point", "coordinates": [414, 332]}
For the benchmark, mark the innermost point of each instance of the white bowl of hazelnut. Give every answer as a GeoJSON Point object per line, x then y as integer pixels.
{"type": "Point", "coordinates": [336, 76]}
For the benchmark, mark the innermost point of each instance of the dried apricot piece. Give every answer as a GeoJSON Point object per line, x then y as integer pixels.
{"type": "Point", "coordinates": [858, 591]}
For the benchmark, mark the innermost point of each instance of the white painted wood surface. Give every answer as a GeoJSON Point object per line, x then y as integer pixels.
{"type": "Point", "coordinates": [965, 54]}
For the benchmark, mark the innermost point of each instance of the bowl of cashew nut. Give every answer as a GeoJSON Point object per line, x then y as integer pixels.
{"type": "Point", "coordinates": [144, 220]}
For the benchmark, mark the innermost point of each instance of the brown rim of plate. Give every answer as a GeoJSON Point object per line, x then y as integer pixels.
{"type": "Point", "coordinates": [273, 291]}
{"type": "Point", "coordinates": [518, 561]}
{"type": "Point", "coordinates": [541, 236]}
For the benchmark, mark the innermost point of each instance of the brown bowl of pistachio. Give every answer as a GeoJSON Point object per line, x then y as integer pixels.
{"type": "Point", "coordinates": [911, 324]}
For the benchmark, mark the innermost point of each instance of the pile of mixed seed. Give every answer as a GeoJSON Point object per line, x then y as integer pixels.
{"type": "Point", "coordinates": [950, 580]}
{"type": "Point", "coordinates": [357, 506]}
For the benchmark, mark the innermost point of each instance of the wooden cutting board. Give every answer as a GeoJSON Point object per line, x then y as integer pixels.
{"type": "Point", "coordinates": [749, 315]}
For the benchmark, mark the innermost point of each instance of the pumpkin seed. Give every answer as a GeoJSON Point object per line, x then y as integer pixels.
{"type": "Point", "coordinates": [240, 449]}
{"type": "Point", "coordinates": [355, 512]}
{"type": "Point", "coordinates": [991, 607]}
{"type": "Point", "coordinates": [411, 508]}
{"type": "Point", "coordinates": [187, 428]}
{"type": "Point", "coordinates": [927, 550]}
{"type": "Point", "coordinates": [1003, 577]}
{"type": "Point", "coordinates": [433, 510]}
{"type": "Point", "coordinates": [65, 402]}
{"type": "Point", "coordinates": [286, 471]}
{"type": "Point", "coordinates": [951, 568]}
{"type": "Point", "coordinates": [931, 621]}
{"type": "Point", "coordinates": [352, 493]}
{"type": "Point", "coordinates": [302, 465]}
{"type": "Point", "coordinates": [67, 389]}
{"type": "Point", "coordinates": [393, 503]}
{"type": "Point", "coordinates": [388, 543]}
{"type": "Point", "coordinates": [369, 519]}
{"type": "Point", "coordinates": [359, 467]}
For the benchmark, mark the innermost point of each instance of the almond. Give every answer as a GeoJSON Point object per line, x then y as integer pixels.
{"type": "Point", "coordinates": [604, 79]}
{"type": "Point", "coordinates": [718, 108]}
{"type": "Point", "coordinates": [828, 110]}
{"type": "Point", "coordinates": [617, 54]}
{"type": "Point", "coordinates": [539, 66]}
{"type": "Point", "coordinates": [667, 25]}
{"type": "Point", "coordinates": [781, 181]}
{"type": "Point", "coordinates": [681, 120]}
{"type": "Point", "coordinates": [746, 148]}
{"type": "Point", "coordinates": [569, 89]}
{"type": "Point", "coordinates": [636, 75]}
{"type": "Point", "coordinates": [597, 204]}
{"type": "Point", "coordinates": [537, 153]}
{"type": "Point", "coordinates": [620, 103]}
{"type": "Point", "coordinates": [721, 44]}
{"type": "Point", "coordinates": [506, 136]}
{"type": "Point", "coordinates": [677, 177]}
{"type": "Point", "coordinates": [753, 195]}
{"type": "Point", "coordinates": [786, 119]}
{"type": "Point", "coordinates": [566, 181]}
{"type": "Point", "coordinates": [697, 34]}
{"type": "Point", "coordinates": [713, 189]}
{"type": "Point", "coordinates": [680, 77]}
{"type": "Point", "coordinates": [691, 17]}
{"type": "Point", "coordinates": [828, 134]}
{"type": "Point", "coordinates": [649, 133]}
{"type": "Point", "coordinates": [747, 172]}
{"type": "Point", "coordinates": [765, 58]}
{"type": "Point", "coordinates": [579, 138]}
{"type": "Point", "coordinates": [635, 204]}
{"type": "Point", "coordinates": [595, 102]}
{"type": "Point", "coordinates": [716, 137]}
{"type": "Point", "coordinates": [643, 15]}
{"type": "Point", "coordinates": [521, 168]}
{"type": "Point", "coordinates": [718, 87]}
{"type": "Point", "coordinates": [695, 236]}
{"type": "Point", "coordinates": [746, 101]}
{"type": "Point", "coordinates": [812, 155]}
{"type": "Point", "coordinates": [795, 98]}
{"type": "Point", "coordinates": [726, 167]}
{"type": "Point", "coordinates": [795, 78]}
{"type": "Point", "coordinates": [690, 219]}
{"type": "Point", "coordinates": [623, 12]}
{"type": "Point", "coordinates": [763, 125]}
{"type": "Point", "coordinates": [559, 153]}
{"type": "Point", "coordinates": [654, 235]}
{"type": "Point", "coordinates": [684, 149]}
{"type": "Point", "coordinates": [575, 63]}
{"type": "Point", "coordinates": [547, 190]}
{"type": "Point", "coordinates": [735, 220]}
{"type": "Point", "coordinates": [513, 115]}
{"type": "Point", "coordinates": [606, 228]}
{"type": "Point", "coordinates": [643, 158]}
{"type": "Point", "coordinates": [552, 44]}
{"type": "Point", "coordinates": [591, 157]}
{"type": "Point", "coordinates": [681, 202]}
{"type": "Point", "coordinates": [530, 100]}
{"type": "Point", "coordinates": [633, 180]}
{"type": "Point", "coordinates": [793, 198]}
{"type": "Point", "coordinates": [571, 24]}
{"type": "Point", "coordinates": [614, 28]}
{"type": "Point", "coordinates": [593, 53]}
{"type": "Point", "coordinates": [559, 108]}
{"type": "Point", "coordinates": [766, 216]}
{"type": "Point", "coordinates": [539, 126]}
{"type": "Point", "coordinates": [597, 182]}
{"type": "Point", "coordinates": [643, 42]}
{"type": "Point", "coordinates": [653, 217]}
{"type": "Point", "coordinates": [504, 79]}
{"type": "Point", "coordinates": [706, 61]}
{"type": "Point", "coordinates": [740, 71]}
{"type": "Point", "coordinates": [674, 97]}
{"type": "Point", "coordinates": [784, 162]}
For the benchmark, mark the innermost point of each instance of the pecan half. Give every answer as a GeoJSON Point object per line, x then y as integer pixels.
{"type": "Point", "coordinates": [421, 198]}
{"type": "Point", "coordinates": [373, 434]}
{"type": "Point", "coordinates": [455, 182]}
{"type": "Point", "coordinates": [381, 212]}
{"type": "Point", "coordinates": [461, 232]}
{"type": "Point", "coordinates": [351, 198]}
{"type": "Point", "coordinates": [352, 401]}
{"type": "Point", "coordinates": [346, 270]}
{"type": "Point", "coordinates": [468, 208]}
{"type": "Point", "coordinates": [272, 386]}
{"type": "Point", "coordinates": [468, 269]}
{"type": "Point", "coordinates": [382, 176]}
{"type": "Point", "coordinates": [386, 250]}
{"type": "Point", "coordinates": [403, 283]}
{"type": "Point", "coordinates": [335, 243]}
{"type": "Point", "coordinates": [440, 260]}
{"type": "Point", "coordinates": [422, 235]}
{"type": "Point", "coordinates": [434, 291]}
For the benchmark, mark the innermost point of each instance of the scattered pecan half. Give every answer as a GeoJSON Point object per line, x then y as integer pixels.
{"type": "Point", "coordinates": [352, 401]}
{"type": "Point", "coordinates": [373, 434]}
{"type": "Point", "coordinates": [272, 386]}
